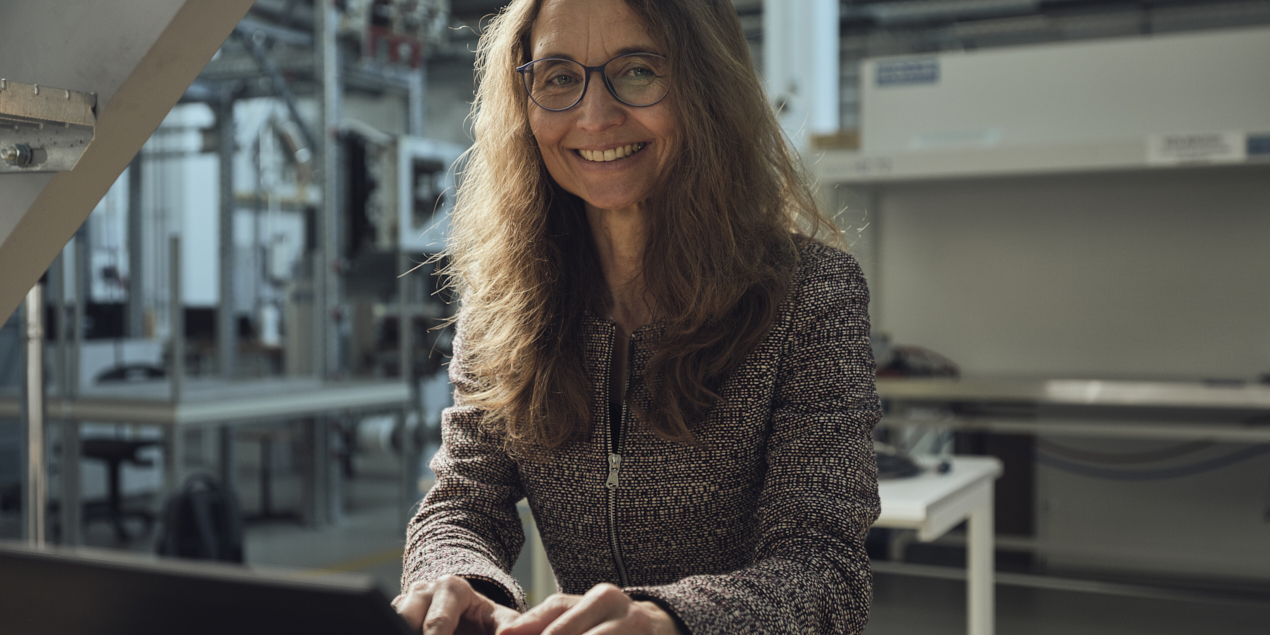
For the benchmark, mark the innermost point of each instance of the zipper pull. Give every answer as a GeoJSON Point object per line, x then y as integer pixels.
{"type": "Point", "coordinates": [615, 463]}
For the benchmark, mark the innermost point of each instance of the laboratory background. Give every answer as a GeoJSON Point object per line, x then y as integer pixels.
{"type": "Point", "coordinates": [220, 223]}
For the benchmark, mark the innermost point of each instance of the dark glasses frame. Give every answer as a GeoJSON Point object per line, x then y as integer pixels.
{"type": "Point", "coordinates": [586, 82]}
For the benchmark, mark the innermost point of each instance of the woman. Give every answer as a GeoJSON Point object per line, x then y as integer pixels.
{"type": "Point", "coordinates": [680, 385]}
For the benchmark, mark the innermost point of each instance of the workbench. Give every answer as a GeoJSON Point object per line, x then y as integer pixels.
{"type": "Point", "coordinates": [222, 405]}
{"type": "Point", "coordinates": [1220, 411]}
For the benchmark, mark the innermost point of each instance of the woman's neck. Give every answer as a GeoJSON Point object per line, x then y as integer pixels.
{"type": "Point", "coordinates": [620, 239]}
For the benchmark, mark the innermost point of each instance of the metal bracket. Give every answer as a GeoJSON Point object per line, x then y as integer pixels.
{"type": "Point", "coordinates": [43, 129]}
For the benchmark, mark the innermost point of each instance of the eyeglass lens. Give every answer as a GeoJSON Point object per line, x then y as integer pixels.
{"type": "Point", "coordinates": [635, 79]}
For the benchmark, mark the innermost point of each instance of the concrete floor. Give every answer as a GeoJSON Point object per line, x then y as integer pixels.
{"type": "Point", "coordinates": [368, 541]}
{"type": "Point", "coordinates": [904, 604]}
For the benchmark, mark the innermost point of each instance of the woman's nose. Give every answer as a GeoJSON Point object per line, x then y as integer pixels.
{"type": "Point", "coordinates": [598, 109]}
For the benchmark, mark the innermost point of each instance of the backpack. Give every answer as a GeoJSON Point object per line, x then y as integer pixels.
{"type": "Point", "coordinates": [202, 522]}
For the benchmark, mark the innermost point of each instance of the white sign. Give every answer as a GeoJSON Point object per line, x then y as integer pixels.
{"type": "Point", "coordinates": [1200, 147]}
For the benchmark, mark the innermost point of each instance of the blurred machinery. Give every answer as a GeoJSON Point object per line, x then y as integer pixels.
{"type": "Point", "coordinates": [399, 200]}
{"type": "Point", "coordinates": [395, 31]}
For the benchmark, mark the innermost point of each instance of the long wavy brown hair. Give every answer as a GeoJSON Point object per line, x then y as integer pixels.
{"type": "Point", "coordinates": [720, 251]}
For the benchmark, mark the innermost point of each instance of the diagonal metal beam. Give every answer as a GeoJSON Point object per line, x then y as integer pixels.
{"type": "Point", "coordinates": [138, 56]}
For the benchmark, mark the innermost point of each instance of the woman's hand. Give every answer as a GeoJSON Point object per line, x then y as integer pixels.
{"type": "Point", "coordinates": [450, 606]}
{"type": "Point", "coordinates": [604, 609]}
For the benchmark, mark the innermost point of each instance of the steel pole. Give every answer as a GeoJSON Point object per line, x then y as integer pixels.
{"type": "Point", "coordinates": [136, 303]}
{"type": "Point", "coordinates": [326, 279]}
{"type": "Point", "coordinates": [68, 463]}
{"type": "Point", "coordinates": [37, 472]}
{"type": "Point", "coordinates": [226, 327]}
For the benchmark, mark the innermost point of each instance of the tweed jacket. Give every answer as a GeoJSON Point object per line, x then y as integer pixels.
{"type": "Point", "coordinates": [759, 530]}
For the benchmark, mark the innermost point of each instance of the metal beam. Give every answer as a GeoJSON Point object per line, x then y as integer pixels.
{"type": "Point", "coordinates": [156, 48]}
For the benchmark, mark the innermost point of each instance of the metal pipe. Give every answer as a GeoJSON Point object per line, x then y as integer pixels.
{"type": "Point", "coordinates": [79, 295]}
{"type": "Point", "coordinates": [326, 280]}
{"type": "Point", "coordinates": [416, 89]}
{"type": "Point", "coordinates": [174, 434]}
{"type": "Point", "coordinates": [176, 318]}
{"type": "Point", "coordinates": [57, 289]}
{"type": "Point", "coordinates": [226, 331]}
{"type": "Point", "coordinates": [37, 472]}
{"type": "Point", "coordinates": [136, 317]}
{"type": "Point", "coordinates": [68, 463]}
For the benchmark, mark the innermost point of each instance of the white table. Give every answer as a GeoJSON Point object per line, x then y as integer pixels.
{"type": "Point", "coordinates": [933, 503]}
{"type": "Point", "coordinates": [222, 405]}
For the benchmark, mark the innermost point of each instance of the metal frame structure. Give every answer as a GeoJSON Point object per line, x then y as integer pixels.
{"type": "Point", "coordinates": [179, 408]}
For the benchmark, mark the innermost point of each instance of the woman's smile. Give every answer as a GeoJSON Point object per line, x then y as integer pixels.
{"type": "Point", "coordinates": [606, 155]}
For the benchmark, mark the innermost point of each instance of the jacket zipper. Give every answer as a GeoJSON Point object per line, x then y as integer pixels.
{"type": "Point", "coordinates": [615, 465]}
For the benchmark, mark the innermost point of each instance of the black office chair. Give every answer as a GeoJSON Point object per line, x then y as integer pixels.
{"type": "Point", "coordinates": [116, 452]}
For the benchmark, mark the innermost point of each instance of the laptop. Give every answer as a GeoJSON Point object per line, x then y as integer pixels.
{"type": "Point", "coordinates": [96, 592]}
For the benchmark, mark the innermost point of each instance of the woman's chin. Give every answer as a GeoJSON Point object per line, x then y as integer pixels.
{"type": "Point", "coordinates": [613, 204]}
{"type": "Point", "coordinates": [614, 196]}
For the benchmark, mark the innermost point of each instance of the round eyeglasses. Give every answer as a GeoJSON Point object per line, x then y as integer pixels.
{"type": "Point", "coordinates": [635, 79]}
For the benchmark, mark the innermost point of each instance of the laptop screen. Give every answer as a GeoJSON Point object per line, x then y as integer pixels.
{"type": "Point", "coordinates": [56, 592]}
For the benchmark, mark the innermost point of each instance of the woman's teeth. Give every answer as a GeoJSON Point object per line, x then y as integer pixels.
{"type": "Point", "coordinates": [612, 154]}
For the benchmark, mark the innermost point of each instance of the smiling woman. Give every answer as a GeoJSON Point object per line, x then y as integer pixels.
{"type": "Point", "coordinates": [653, 348]}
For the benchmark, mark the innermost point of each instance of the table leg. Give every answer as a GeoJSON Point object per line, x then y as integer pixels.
{"type": "Point", "coordinates": [310, 507]}
{"type": "Point", "coordinates": [318, 488]}
{"type": "Point", "coordinates": [334, 477]}
{"type": "Point", "coordinates": [226, 461]}
{"type": "Point", "coordinates": [544, 583]}
{"type": "Point", "coordinates": [980, 555]}
{"type": "Point", "coordinates": [70, 461]}
{"type": "Point", "coordinates": [173, 453]}
{"type": "Point", "coordinates": [409, 471]}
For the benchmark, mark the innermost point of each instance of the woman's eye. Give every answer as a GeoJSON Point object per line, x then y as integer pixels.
{"type": "Point", "coordinates": [560, 80]}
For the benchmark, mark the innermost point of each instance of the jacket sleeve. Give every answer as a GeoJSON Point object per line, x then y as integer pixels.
{"type": "Point", "coordinates": [810, 573]}
{"type": "Point", "coordinates": [467, 525]}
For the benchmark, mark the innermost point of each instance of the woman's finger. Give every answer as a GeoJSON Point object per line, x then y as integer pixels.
{"type": "Point", "coordinates": [603, 603]}
{"type": "Point", "coordinates": [540, 617]}
{"type": "Point", "coordinates": [611, 628]}
{"type": "Point", "coordinates": [413, 605]}
{"type": "Point", "coordinates": [447, 607]}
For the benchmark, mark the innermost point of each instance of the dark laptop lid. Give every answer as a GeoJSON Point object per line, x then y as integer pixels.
{"type": "Point", "coordinates": [91, 592]}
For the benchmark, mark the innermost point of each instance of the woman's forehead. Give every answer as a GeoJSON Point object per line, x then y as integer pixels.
{"type": "Point", "coordinates": [589, 31]}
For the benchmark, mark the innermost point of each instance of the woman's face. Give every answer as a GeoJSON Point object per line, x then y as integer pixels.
{"type": "Point", "coordinates": [592, 32]}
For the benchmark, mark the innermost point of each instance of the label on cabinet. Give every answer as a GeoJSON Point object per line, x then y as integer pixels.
{"type": "Point", "coordinates": [1198, 147]}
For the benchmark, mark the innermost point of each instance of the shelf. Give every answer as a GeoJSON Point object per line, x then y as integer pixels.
{"type": "Point", "coordinates": [1082, 392]}
{"type": "Point", "coordinates": [845, 166]}
{"type": "Point", "coordinates": [209, 400]}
